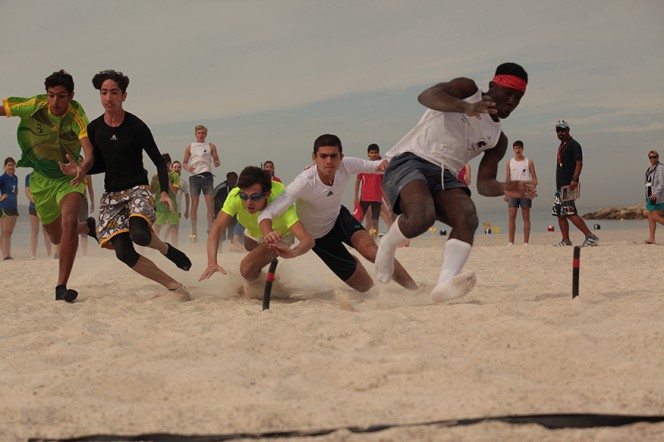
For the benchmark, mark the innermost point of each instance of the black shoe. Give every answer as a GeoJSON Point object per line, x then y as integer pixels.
{"type": "Point", "coordinates": [62, 293]}
{"type": "Point", "coordinates": [179, 258]}
{"type": "Point", "coordinates": [92, 228]}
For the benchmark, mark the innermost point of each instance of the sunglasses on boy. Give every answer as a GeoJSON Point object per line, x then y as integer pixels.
{"type": "Point", "coordinates": [253, 197]}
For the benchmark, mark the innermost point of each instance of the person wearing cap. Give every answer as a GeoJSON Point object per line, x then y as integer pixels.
{"type": "Point", "coordinates": [568, 171]}
{"type": "Point", "coordinates": [461, 122]}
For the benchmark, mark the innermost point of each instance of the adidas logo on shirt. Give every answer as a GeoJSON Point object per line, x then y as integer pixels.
{"type": "Point", "coordinates": [114, 138]}
{"type": "Point", "coordinates": [330, 193]}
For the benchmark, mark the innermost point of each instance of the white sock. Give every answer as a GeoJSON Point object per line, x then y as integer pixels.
{"type": "Point", "coordinates": [451, 284]}
{"type": "Point", "coordinates": [454, 258]}
{"type": "Point", "coordinates": [386, 251]}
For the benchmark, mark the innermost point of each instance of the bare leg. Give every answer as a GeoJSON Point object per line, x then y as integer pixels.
{"type": "Point", "coordinates": [194, 214]}
{"type": "Point", "coordinates": [7, 226]}
{"type": "Point", "coordinates": [563, 224]}
{"type": "Point", "coordinates": [148, 269]}
{"type": "Point", "coordinates": [252, 264]}
{"type": "Point", "coordinates": [64, 232]}
{"type": "Point", "coordinates": [34, 235]}
{"type": "Point", "coordinates": [209, 202]}
{"type": "Point", "coordinates": [511, 225]}
{"type": "Point", "coordinates": [525, 213]}
{"type": "Point", "coordinates": [47, 242]}
{"type": "Point", "coordinates": [580, 224]}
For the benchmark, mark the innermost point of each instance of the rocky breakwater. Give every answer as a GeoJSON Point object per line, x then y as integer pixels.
{"type": "Point", "coordinates": [630, 212]}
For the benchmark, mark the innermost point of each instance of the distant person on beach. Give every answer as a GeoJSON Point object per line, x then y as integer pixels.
{"type": "Point", "coordinates": [127, 206]}
{"type": "Point", "coordinates": [181, 198]}
{"type": "Point", "coordinates": [51, 133]}
{"type": "Point", "coordinates": [519, 168]}
{"type": "Point", "coordinates": [654, 194]}
{"type": "Point", "coordinates": [35, 225]}
{"type": "Point", "coordinates": [86, 210]}
{"type": "Point", "coordinates": [269, 166]}
{"type": "Point", "coordinates": [461, 122]}
{"type": "Point", "coordinates": [255, 190]}
{"type": "Point", "coordinates": [318, 191]}
{"type": "Point", "coordinates": [167, 215]}
{"type": "Point", "coordinates": [369, 193]}
{"type": "Point", "coordinates": [199, 157]}
{"type": "Point", "coordinates": [568, 172]}
{"type": "Point", "coordinates": [8, 207]}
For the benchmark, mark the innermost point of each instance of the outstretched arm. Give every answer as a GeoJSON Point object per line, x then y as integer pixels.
{"type": "Point", "coordinates": [449, 97]}
{"type": "Point", "coordinates": [218, 228]}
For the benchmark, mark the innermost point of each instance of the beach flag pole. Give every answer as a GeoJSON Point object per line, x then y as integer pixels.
{"type": "Point", "coordinates": [576, 264]}
{"type": "Point", "coordinates": [269, 279]}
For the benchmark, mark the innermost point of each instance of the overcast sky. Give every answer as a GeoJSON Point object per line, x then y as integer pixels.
{"type": "Point", "coordinates": [268, 77]}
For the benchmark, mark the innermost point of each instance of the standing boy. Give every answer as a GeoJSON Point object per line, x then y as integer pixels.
{"type": "Point", "coordinates": [198, 160]}
{"type": "Point", "coordinates": [372, 193]}
{"type": "Point", "coordinates": [519, 168]}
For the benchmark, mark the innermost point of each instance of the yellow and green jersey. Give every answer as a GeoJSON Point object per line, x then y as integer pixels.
{"type": "Point", "coordinates": [174, 178]}
{"type": "Point", "coordinates": [45, 139]}
{"type": "Point", "coordinates": [234, 206]}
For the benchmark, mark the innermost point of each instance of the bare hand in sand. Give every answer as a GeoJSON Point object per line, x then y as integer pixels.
{"type": "Point", "coordinates": [211, 270]}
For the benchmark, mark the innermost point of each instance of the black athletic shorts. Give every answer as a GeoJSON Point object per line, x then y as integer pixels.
{"type": "Point", "coordinates": [330, 249]}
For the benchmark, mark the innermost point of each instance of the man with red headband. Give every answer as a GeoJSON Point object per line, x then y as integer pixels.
{"type": "Point", "coordinates": [461, 122]}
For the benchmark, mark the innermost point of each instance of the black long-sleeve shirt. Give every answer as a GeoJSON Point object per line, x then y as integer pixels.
{"type": "Point", "coordinates": [119, 152]}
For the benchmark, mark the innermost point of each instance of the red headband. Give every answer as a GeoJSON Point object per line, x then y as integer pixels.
{"type": "Point", "coordinates": [511, 81]}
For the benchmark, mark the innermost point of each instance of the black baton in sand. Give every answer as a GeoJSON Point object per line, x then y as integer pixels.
{"type": "Point", "coordinates": [269, 279]}
{"type": "Point", "coordinates": [576, 264]}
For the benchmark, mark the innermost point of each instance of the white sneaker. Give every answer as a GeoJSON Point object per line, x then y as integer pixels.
{"type": "Point", "coordinates": [510, 244]}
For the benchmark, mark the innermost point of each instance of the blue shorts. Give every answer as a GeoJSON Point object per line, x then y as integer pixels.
{"type": "Point", "coordinates": [330, 249]}
{"type": "Point", "coordinates": [524, 203]}
{"type": "Point", "coordinates": [203, 182]}
{"type": "Point", "coordinates": [409, 167]}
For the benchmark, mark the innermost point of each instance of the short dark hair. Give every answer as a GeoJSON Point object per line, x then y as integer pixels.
{"type": "Point", "coordinates": [166, 157]}
{"type": "Point", "coordinates": [60, 78]}
{"type": "Point", "coordinates": [251, 175]}
{"type": "Point", "coordinates": [373, 147]}
{"type": "Point", "coordinates": [8, 159]}
{"type": "Point", "coordinates": [517, 143]}
{"type": "Point", "coordinates": [510, 68]}
{"type": "Point", "coordinates": [109, 74]}
{"type": "Point", "coordinates": [176, 161]}
{"type": "Point", "coordinates": [327, 140]}
{"type": "Point", "coordinates": [231, 174]}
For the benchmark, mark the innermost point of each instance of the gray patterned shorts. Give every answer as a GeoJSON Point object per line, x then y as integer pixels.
{"type": "Point", "coordinates": [117, 207]}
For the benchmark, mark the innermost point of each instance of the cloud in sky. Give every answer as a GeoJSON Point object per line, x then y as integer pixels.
{"type": "Point", "coordinates": [270, 75]}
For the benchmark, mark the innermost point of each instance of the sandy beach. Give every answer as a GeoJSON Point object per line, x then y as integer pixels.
{"type": "Point", "coordinates": [128, 359]}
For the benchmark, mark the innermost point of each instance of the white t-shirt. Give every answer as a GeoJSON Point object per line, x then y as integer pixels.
{"type": "Point", "coordinates": [201, 157]}
{"type": "Point", "coordinates": [519, 170]}
{"type": "Point", "coordinates": [318, 204]}
{"type": "Point", "coordinates": [450, 139]}
{"type": "Point", "coordinates": [184, 189]}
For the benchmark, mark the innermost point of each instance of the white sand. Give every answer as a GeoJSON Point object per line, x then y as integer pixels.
{"type": "Point", "coordinates": [127, 359]}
